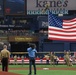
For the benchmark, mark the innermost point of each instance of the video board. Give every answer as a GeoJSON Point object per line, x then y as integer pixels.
{"type": "Point", "coordinates": [14, 7]}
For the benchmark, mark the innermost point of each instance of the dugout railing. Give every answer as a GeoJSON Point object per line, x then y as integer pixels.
{"type": "Point", "coordinates": [40, 57]}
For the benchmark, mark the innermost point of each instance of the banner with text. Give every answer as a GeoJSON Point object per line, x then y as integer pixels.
{"type": "Point", "coordinates": [34, 7]}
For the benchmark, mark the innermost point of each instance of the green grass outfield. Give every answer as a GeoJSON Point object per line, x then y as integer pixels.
{"type": "Point", "coordinates": [43, 72]}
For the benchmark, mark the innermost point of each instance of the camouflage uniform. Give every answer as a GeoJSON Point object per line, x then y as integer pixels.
{"type": "Point", "coordinates": [52, 58]}
{"type": "Point", "coordinates": [5, 57]}
{"type": "Point", "coordinates": [67, 58]}
{"type": "Point", "coordinates": [47, 59]}
{"type": "Point", "coordinates": [15, 59]}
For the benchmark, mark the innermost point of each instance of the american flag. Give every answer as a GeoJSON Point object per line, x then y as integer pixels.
{"type": "Point", "coordinates": [59, 29]}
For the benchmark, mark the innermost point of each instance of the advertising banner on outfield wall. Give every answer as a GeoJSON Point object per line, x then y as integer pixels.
{"type": "Point", "coordinates": [34, 7]}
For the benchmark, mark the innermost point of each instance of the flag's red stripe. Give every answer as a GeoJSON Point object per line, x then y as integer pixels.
{"type": "Point", "coordinates": [69, 24]}
{"type": "Point", "coordinates": [63, 35]}
{"type": "Point", "coordinates": [62, 39]}
{"type": "Point", "coordinates": [69, 20]}
{"type": "Point", "coordinates": [61, 30]}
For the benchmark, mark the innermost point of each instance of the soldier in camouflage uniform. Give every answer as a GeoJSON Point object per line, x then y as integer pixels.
{"type": "Point", "coordinates": [5, 58]}
{"type": "Point", "coordinates": [67, 58]}
{"type": "Point", "coordinates": [52, 58]}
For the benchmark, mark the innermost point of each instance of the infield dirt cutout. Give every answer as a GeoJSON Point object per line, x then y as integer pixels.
{"type": "Point", "coordinates": [55, 68]}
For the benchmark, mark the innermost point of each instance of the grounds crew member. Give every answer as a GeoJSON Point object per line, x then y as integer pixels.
{"type": "Point", "coordinates": [5, 57]}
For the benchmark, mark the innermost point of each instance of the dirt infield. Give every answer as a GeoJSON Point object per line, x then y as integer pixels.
{"type": "Point", "coordinates": [8, 73]}
{"type": "Point", "coordinates": [53, 68]}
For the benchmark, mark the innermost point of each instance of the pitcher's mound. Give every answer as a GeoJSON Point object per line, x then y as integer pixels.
{"type": "Point", "coordinates": [8, 73]}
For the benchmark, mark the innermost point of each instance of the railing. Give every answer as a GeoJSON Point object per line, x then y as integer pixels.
{"type": "Point", "coordinates": [42, 54]}
{"type": "Point", "coordinates": [40, 57]}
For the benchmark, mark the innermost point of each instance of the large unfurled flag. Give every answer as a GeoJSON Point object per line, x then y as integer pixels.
{"type": "Point", "coordinates": [59, 29]}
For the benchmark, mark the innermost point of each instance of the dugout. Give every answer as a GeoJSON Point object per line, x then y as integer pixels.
{"type": "Point", "coordinates": [21, 46]}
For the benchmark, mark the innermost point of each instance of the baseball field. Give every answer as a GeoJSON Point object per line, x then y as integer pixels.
{"type": "Point", "coordinates": [43, 69]}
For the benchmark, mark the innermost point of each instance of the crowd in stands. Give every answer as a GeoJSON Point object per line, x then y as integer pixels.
{"type": "Point", "coordinates": [22, 32]}
{"type": "Point", "coordinates": [17, 33]}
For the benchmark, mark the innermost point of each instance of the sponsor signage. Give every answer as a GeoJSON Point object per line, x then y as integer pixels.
{"type": "Point", "coordinates": [11, 26]}
{"type": "Point", "coordinates": [6, 26]}
{"type": "Point", "coordinates": [23, 39]}
{"type": "Point", "coordinates": [43, 21]}
{"type": "Point", "coordinates": [56, 6]}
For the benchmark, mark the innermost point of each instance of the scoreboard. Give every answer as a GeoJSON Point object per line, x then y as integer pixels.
{"type": "Point", "coordinates": [14, 7]}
